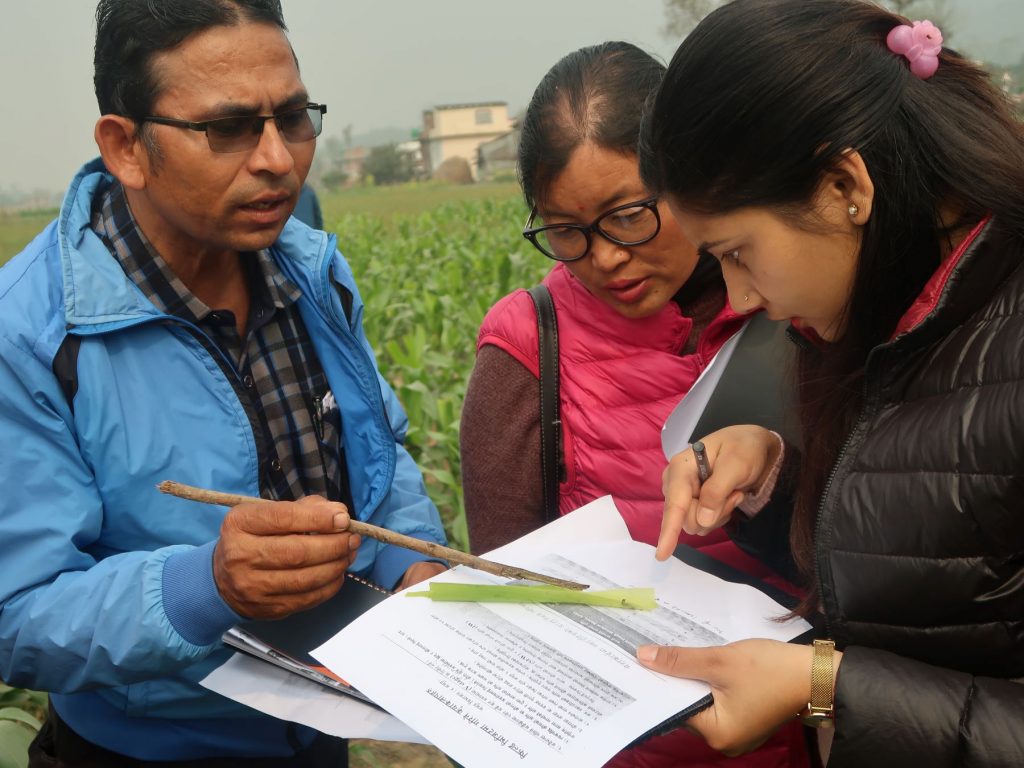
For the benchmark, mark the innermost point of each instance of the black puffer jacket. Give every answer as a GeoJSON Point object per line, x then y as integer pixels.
{"type": "Point", "coordinates": [920, 535]}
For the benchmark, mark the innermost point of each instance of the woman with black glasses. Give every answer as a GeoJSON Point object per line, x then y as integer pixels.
{"type": "Point", "coordinates": [639, 316]}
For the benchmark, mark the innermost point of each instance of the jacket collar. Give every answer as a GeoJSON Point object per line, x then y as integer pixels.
{"type": "Point", "coordinates": [99, 296]}
{"type": "Point", "coordinates": [97, 293]}
{"type": "Point", "coordinates": [931, 296]}
{"type": "Point", "coordinates": [964, 283]}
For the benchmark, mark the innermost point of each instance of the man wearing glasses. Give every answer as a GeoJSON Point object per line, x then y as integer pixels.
{"type": "Point", "coordinates": [175, 323]}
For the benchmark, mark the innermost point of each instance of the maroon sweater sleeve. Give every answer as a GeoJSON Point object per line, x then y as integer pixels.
{"type": "Point", "coordinates": [500, 448]}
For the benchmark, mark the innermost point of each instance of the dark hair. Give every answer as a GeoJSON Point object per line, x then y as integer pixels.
{"type": "Point", "coordinates": [130, 32]}
{"type": "Point", "coordinates": [759, 103]}
{"type": "Point", "coordinates": [594, 94]}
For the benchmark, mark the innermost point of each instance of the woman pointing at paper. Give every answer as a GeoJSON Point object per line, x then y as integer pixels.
{"type": "Point", "coordinates": [853, 175]}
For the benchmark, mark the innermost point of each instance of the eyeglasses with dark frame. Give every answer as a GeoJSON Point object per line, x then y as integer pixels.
{"type": "Point", "coordinates": [243, 132]}
{"type": "Point", "coordinates": [630, 224]}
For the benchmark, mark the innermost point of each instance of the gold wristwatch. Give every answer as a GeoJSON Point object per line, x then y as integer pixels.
{"type": "Point", "coordinates": [820, 712]}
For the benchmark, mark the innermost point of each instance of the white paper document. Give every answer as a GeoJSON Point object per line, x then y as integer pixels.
{"type": "Point", "coordinates": [287, 696]}
{"type": "Point", "coordinates": [496, 685]}
{"type": "Point", "coordinates": [679, 426]}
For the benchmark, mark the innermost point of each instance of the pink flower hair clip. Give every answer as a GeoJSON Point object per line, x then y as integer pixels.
{"type": "Point", "coordinates": [920, 44]}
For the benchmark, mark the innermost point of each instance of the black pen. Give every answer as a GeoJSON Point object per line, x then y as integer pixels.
{"type": "Point", "coordinates": [701, 457]}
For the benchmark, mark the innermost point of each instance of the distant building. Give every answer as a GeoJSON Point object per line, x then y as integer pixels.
{"type": "Point", "coordinates": [458, 130]}
{"type": "Point", "coordinates": [498, 157]}
{"type": "Point", "coordinates": [352, 160]}
{"type": "Point", "coordinates": [1013, 89]}
{"type": "Point", "coordinates": [413, 149]}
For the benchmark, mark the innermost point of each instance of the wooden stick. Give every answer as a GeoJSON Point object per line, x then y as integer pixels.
{"type": "Point", "coordinates": [381, 534]}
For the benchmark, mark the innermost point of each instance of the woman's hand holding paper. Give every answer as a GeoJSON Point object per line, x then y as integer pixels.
{"type": "Point", "coordinates": [757, 685]}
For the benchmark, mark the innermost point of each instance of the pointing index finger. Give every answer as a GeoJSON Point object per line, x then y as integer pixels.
{"type": "Point", "coordinates": [680, 486]}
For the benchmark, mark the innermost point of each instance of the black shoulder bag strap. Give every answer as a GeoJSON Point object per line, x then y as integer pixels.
{"type": "Point", "coordinates": [550, 422]}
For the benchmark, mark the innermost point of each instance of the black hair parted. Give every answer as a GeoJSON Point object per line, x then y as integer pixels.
{"type": "Point", "coordinates": [594, 94]}
{"type": "Point", "coordinates": [764, 96]}
{"type": "Point", "coordinates": [130, 32]}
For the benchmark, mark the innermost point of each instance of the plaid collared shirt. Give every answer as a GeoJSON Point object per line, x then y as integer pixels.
{"type": "Point", "coordinates": [274, 370]}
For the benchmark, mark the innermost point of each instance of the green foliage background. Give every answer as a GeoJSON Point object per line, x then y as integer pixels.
{"type": "Point", "coordinates": [21, 715]}
{"type": "Point", "coordinates": [427, 280]}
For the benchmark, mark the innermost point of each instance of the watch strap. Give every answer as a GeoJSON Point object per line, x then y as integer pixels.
{"type": "Point", "coordinates": [821, 706]}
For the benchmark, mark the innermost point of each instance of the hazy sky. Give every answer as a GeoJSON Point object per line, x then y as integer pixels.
{"type": "Point", "coordinates": [377, 64]}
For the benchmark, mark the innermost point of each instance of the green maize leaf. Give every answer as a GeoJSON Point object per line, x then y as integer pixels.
{"type": "Point", "coordinates": [14, 741]}
{"type": "Point", "coordinates": [22, 698]}
{"type": "Point", "coordinates": [20, 715]}
{"type": "Point", "coordinates": [441, 475]}
{"type": "Point", "coordinates": [637, 598]}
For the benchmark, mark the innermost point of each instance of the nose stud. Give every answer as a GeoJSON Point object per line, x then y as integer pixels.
{"type": "Point", "coordinates": [746, 298]}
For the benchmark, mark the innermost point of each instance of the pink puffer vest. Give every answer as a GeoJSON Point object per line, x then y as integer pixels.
{"type": "Point", "coordinates": [620, 379]}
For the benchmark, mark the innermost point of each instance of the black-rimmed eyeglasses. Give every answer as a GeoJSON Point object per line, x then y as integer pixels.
{"type": "Point", "coordinates": [629, 224]}
{"type": "Point", "coordinates": [243, 132]}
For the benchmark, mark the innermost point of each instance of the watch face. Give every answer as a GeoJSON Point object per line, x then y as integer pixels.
{"type": "Point", "coordinates": [817, 720]}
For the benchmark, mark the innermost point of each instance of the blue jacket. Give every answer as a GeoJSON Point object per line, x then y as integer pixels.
{"type": "Point", "coordinates": [107, 595]}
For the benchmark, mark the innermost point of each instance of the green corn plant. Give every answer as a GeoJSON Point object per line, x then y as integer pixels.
{"type": "Point", "coordinates": [21, 715]}
{"type": "Point", "coordinates": [427, 280]}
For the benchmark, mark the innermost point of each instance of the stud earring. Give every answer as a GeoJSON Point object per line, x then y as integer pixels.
{"type": "Point", "coordinates": [746, 298]}
{"type": "Point", "coordinates": [853, 210]}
